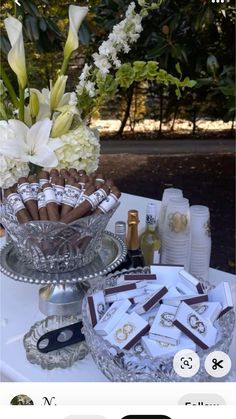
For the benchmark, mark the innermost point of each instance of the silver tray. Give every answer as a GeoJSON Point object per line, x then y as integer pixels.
{"type": "Point", "coordinates": [112, 253]}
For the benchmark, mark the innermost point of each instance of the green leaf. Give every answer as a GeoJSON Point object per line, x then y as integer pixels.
{"type": "Point", "coordinates": [178, 69]}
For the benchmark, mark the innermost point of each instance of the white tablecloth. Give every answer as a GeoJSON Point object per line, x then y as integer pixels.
{"type": "Point", "coordinates": [19, 311]}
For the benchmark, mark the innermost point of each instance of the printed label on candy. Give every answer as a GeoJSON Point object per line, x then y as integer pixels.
{"type": "Point", "coordinates": [108, 204]}
{"type": "Point", "coordinates": [25, 191]}
{"type": "Point", "coordinates": [58, 190]}
{"type": "Point", "coordinates": [49, 195]}
{"type": "Point", "coordinates": [71, 195]}
{"type": "Point", "coordinates": [41, 200]}
{"type": "Point", "coordinates": [15, 201]}
{"type": "Point", "coordinates": [34, 189]}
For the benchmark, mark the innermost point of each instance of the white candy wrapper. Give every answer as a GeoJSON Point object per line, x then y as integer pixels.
{"type": "Point", "coordinates": [128, 331]}
{"type": "Point", "coordinates": [163, 328]}
{"type": "Point", "coordinates": [195, 327]}
{"type": "Point", "coordinates": [112, 316]}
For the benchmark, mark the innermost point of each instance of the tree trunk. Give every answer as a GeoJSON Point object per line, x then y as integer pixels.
{"type": "Point", "coordinates": [175, 116]}
{"type": "Point", "coordinates": [127, 111]}
{"type": "Point", "coordinates": [161, 110]}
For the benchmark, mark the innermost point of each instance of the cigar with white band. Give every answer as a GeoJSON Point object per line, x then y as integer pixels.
{"type": "Point", "coordinates": [24, 189]}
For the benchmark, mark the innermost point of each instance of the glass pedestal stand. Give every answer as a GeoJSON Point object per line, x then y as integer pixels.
{"type": "Point", "coordinates": [60, 298]}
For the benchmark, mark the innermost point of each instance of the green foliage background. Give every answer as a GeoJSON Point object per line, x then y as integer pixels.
{"type": "Point", "coordinates": [198, 34]}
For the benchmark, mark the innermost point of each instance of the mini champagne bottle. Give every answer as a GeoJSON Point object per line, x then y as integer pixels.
{"type": "Point", "coordinates": [134, 251]}
{"type": "Point", "coordinates": [150, 242]}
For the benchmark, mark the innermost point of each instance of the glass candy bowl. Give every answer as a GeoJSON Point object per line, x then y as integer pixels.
{"type": "Point", "coordinates": [135, 364]}
{"type": "Point", "coordinates": [54, 246]}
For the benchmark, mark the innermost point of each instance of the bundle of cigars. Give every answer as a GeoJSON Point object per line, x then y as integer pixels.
{"type": "Point", "coordinates": [64, 196]}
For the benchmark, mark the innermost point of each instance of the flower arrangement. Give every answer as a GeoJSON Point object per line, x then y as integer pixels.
{"type": "Point", "coordinates": [52, 130]}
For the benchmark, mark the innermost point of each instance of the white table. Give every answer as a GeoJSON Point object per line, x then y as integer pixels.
{"type": "Point", "coordinates": [20, 312]}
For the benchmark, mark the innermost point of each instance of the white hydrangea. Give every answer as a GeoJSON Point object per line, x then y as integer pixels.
{"type": "Point", "coordinates": [80, 149]}
{"type": "Point", "coordinates": [11, 170]}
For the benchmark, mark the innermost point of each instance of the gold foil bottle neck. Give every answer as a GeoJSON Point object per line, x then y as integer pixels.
{"type": "Point", "coordinates": [133, 217]}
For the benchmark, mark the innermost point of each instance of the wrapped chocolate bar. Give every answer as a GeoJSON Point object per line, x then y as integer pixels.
{"type": "Point", "coordinates": [113, 315]}
{"type": "Point", "coordinates": [97, 307]}
{"type": "Point", "coordinates": [16, 203]}
{"type": "Point", "coordinates": [128, 331]}
{"type": "Point", "coordinates": [24, 189]}
{"type": "Point", "coordinates": [195, 326]}
{"type": "Point", "coordinates": [163, 328]}
{"type": "Point", "coordinates": [131, 294]}
{"type": "Point", "coordinates": [123, 287]}
{"type": "Point", "coordinates": [167, 275]}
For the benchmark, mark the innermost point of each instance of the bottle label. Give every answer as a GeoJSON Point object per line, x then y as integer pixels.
{"type": "Point", "coordinates": [156, 257]}
{"type": "Point", "coordinates": [150, 219]}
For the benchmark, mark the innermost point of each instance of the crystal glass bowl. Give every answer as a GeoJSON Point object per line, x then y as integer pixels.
{"type": "Point", "coordinates": [49, 246]}
{"type": "Point", "coordinates": [136, 365]}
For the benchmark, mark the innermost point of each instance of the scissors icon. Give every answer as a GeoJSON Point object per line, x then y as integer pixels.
{"type": "Point", "coordinates": [217, 364]}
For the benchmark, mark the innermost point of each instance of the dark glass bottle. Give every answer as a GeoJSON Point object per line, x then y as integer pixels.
{"type": "Point", "coordinates": [134, 251]}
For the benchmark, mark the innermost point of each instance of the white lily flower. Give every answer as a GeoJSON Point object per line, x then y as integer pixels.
{"type": "Point", "coordinates": [16, 55]}
{"type": "Point", "coordinates": [57, 92]}
{"type": "Point", "coordinates": [34, 143]}
{"type": "Point", "coordinates": [76, 16]}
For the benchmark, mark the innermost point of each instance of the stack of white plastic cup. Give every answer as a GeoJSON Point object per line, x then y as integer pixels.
{"type": "Point", "coordinates": [168, 194]}
{"type": "Point", "coordinates": [176, 233]}
{"type": "Point", "coordinates": [200, 242]}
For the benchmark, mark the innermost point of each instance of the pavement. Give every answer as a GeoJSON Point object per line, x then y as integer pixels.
{"type": "Point", "coordinates": [174, 147]}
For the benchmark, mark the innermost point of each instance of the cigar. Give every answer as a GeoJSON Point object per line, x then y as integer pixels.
{"type": "Point", "coordinates": [110, 183]}
{"type": "Point", "coordinates": [70, 196]}
{"type": "Point", "coordinates": [72, 171]}
{"type": "Point", "coordinates": [58, 183]}
{"type": "Point", "coordinates": [64, 173]}
{"type": "Point", "coordinates": [34, 184]}
{"type": "Point", "coordinates": [43, 214]}
{"type": "Point", "coordinates": [83, 208]}
{"type": "Point", "coordinates": [81, 172]}
{"type": "Point", "coordinates": [99, 180]}
{"type": "Point", "coordinates": [83, 180]}
{"type": "Point", "coordinates": [51, 202]}
{"type": "Point", "coordinates": [88, 188]}
{"type": "Point", "coordinates": [43, 177]}
{"type": "Point", "coordinates": [24, 189]}
{"type": "Point", "coordinates": [109, 203]}
{"type": "Point", "coordinates": [14, 199]}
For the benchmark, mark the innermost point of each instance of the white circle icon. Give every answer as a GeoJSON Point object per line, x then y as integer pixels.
{"type": "Point", "coordinates": [218, 364]}
{"type": "Point", "coordinates": [186, 363]}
